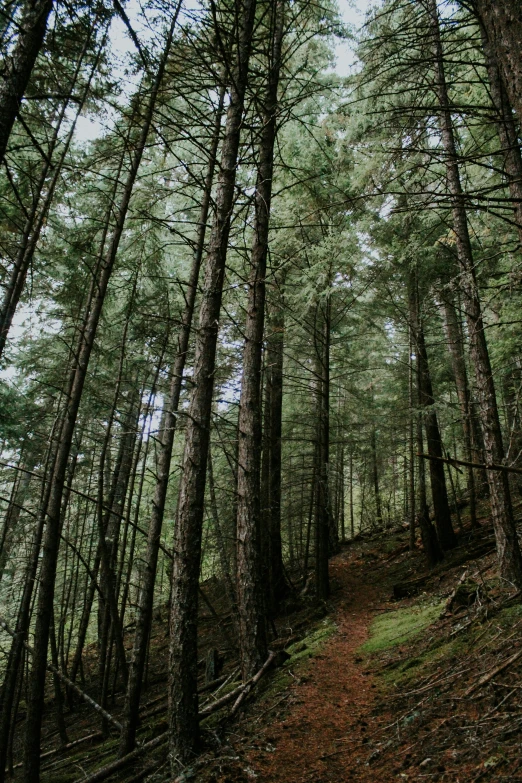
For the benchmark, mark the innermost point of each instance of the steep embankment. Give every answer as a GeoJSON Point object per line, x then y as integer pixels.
{"type": "Point", "coordinates": [425, 688]}
{"type": "Point", "coordinates": [375, 688]}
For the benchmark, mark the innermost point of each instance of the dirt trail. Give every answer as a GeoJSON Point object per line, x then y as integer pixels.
{"type": "Point", "coordinates": [324, 735]}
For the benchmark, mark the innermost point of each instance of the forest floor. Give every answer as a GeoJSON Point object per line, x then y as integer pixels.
{"type": "Point", "coordinates": [403, 675]}
{"type": "Point", "coordinates": [427, 687]}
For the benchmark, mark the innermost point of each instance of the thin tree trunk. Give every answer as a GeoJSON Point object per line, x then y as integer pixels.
{"type": "Point", "coordinates": [352, 515]}
{"type": "Point", "coordinates": [507, 129]}
{"type": "Point", "coordinates": [274, 402]}
{"type": "Point", "coordinates": [411, 444]}
{"type": "Point", "coordinates": [183, 698]}
{"type": "Point", "coordinates": [445, 532]}
{"type": "Point", "coordinates": [40, 206]}
{"type": "Point", "coordinates": [251, 609]}
{"type": "Point", "coordinates": [323, 539]}
{"type": "Point", "coordinates": [429, 538]}
{"type": "Point", "coordinates": [340, 490]}
{"type": "Point", "coordinates": [456, 349]}
{"type": "Point", "coordinates": [168, 428]}
{"type": "Point", "coordinates": [508, 548]}
{"type": "Point", "coordinates": [52, 515]}
{"type": "Point", "coordinates": [375, 477]}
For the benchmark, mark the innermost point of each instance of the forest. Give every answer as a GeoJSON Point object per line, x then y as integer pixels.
{"type": "Point", "coordinates": [260, 367]}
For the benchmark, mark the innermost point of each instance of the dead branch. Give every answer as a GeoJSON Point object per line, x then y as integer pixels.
{"type": "Point", "coordinates": [490, 466]}
{"type": "Point", "coordinates": [66, 681]}
{"type": "Point", "coordinates": [242, 696]}
{"type": "Point", "coordinates": [493, 672]}
{"type": "Point", "coordinates": [114, 766]}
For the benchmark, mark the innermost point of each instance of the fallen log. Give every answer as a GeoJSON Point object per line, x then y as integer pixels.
{"type": "Point", "coordinates": [242, 696]}
{"type": "Point", "coordinates": [97, 735]}
{"type": "Point", "coordinates": [115, 766]}
{"type": "Point", "coordinates": [66, 681]}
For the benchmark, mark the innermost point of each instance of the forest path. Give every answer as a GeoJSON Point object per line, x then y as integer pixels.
{"type": "Point", "coordinates": [324, 734]}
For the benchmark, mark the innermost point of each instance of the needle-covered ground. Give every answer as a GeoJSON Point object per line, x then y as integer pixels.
{"type": "Point", "coordinates": [403, 675]}
{"type": "Point", "coordinates": [426, 688]}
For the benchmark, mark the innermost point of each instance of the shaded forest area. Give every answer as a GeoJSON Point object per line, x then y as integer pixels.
{"type": "Point", "coordinates": [253, 313]}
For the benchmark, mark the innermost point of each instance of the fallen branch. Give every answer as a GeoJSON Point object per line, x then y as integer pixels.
{"type": "Point", "coordinates": [452, 595]}
{"type": "Point", "coordinates": [238, 693]}
{"type": "Point", "coordinates": [467, 464]}
{"type": "Point", "coordinates": [66, 681]}
{"type": "Point", "coordinates": [98, 735]}
{"type": "Point", "coordinates": [493, 672]}
{"type": "Point", "coordinates": [242, 696]}
{"type": "Point", "coordinates": [115, 766]}
{"type": "Point", "coordinates": [162, 701]}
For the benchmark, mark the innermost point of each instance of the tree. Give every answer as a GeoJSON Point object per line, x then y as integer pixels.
{"type": "Point", "coordinates": [20, 63]}
{"type": "Point", "coordinates": [183, 697]}
{"type": "Point", "coordinates": [249, 586]}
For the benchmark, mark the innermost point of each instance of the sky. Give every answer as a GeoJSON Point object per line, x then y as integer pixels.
{"type": "Point", "coordinates": [352, 11]}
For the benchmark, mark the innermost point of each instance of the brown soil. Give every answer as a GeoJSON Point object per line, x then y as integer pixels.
{"type": "Point", "coordinates": [417, 711]}
{"type": "Point", "coordinates": [328, 720]}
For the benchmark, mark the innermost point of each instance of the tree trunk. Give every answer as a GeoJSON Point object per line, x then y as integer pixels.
{"type": "Point", "coordinates": [277, 586]}
{"type": "Point", "coordinates": [507, 130]}
{"type": "Point", "coordinates": [430, 542]}
{"type": "Point", "coordinates": [324, 545]}
{"type": "Point", "coordinates": [508, 548]}
{"type": "Point", "coordinates": [40, 206]}
{"type": "Point", "coordinates": [375, 477]}
{"type": "Point", "coordinates": [352, 518]}
{"type": "Point", "coordinates": [502, 22]}
{"type": "Point", "coordinates": [252, 623]}
{"type": "Point", "coordinates": [168, 428]}
{"type": "Point", "coordinates": [411, 444]}
{"type": "Point", "coordinates": [458, 362]}
{"type": "Point", "coordinates": [19, 64]}
{"type": "Point", "coordinates": [52, 515]}
{"type": "Point", "coordinates": [445, 532]}
{"type": "Point", "coordinates": [183, 697]}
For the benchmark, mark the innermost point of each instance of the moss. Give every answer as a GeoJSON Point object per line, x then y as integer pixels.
{"type": "Point", "coordinates": [394, 628]}
{"type": "Point", "coordinates": [311, 644]}
{"type": "Point", "coordinates": [300, 652]}
{"type": "Point", "coordinates": [510, 614]}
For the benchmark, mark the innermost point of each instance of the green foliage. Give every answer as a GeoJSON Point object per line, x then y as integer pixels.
{"type": "Point", "coordinates": [394, 628]}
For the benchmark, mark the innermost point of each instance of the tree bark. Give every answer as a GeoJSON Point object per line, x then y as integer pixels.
{"type": "Point", "coordinates": [507, 130]}
{"type": "Point", "coordinates": [19, 64]}
{"type": "Point", "coordinates": [508, 548]}
{"type": "Point", "coordinates": [458, 362]}
{"type": "Point", "coordinates": [502, 21]}
{"type": "Point", "coordinates": [445, 532]}
{"type": "Point", "coordinates": [411, 444]}
{"type": "Point", "coordinates": [251, 609]}
{"type": "Point", "coordinates": [277, 587]}
{"type": "Point", "coordinates": [183, 698]}
{"type": "Point", "coordinates": [52, 515]}
{"type": "Point", "coordinates": [168, 429]}
{"type": "Point", "coordinates": [324, 545]}
{"type": "Point", "coordinates": [375, 477]}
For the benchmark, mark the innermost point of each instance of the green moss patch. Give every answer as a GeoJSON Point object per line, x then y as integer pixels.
{"type": "Point", "coordinates": [394, 628]}
{"type": "Point", "coordinates": [311, 644]}
{"type": "Point", "coordinates": [300, 652]}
